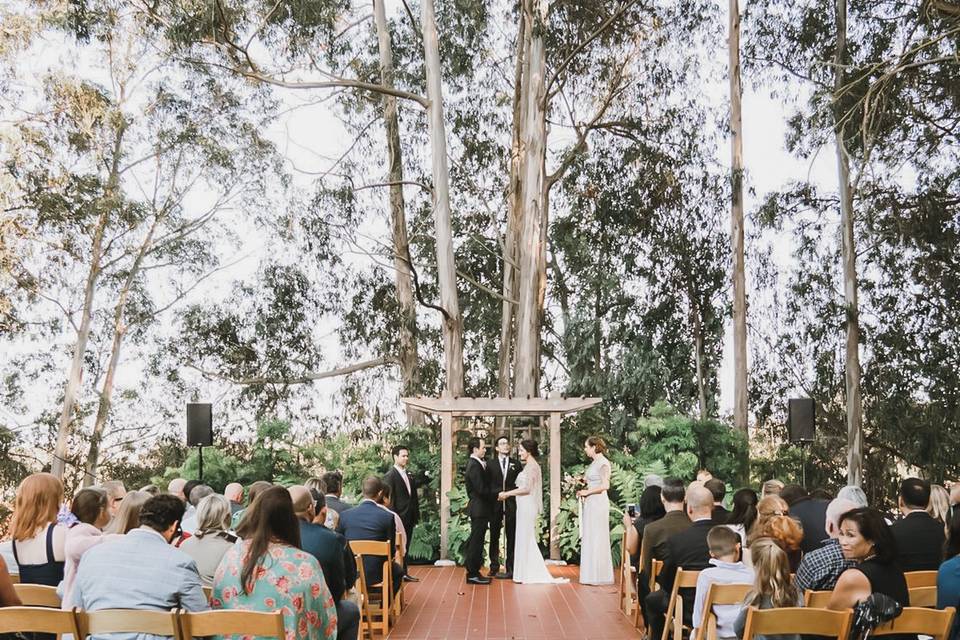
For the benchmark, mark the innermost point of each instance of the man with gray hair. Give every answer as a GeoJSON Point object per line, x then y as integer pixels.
{"type": "Point", "coordinates": [234, 493]}
{"type": "Point", "coordinates": [820, 569]}
{"type": "Point", "coordinates": [197, 494]}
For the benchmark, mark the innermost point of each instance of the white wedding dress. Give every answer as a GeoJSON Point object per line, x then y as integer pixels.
{"type": "Point", "coordinates": [528, 565]}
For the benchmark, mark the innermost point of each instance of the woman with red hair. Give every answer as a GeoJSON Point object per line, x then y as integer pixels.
{"type": "Point", "coordinates": [38, 541]}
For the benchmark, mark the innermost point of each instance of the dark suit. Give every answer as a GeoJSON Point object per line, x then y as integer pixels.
{"type": "Point", "coordinates": [479, 508]}
{"type": "Point", "coordinates": [339, 571]}
{"type": "Point", "coordinates": [504, 512]}
{"type": "Point", "coordinates": [369, 521]}
{"type": "Point", "coordinates": [405, 504]}
{"type": "Point", "coordinates": [812, 515]}
{"type": "Point", "coordinates": [686, 550]}
{"type": "Point", "coordinates": [720, 514]}
{"type": "Point", "coordinates": [919, 541]}
{"type": "Point", "coordinates": [336, 504]}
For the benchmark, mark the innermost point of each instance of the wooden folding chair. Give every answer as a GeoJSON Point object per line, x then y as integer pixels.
{"type": "Point", "coordinates": [627, 593]}
{"type": "Point", "coordinates": [917, 620]}
{"type": "Point", "coordinates": [656, 566]}
{"type": "Point", "coordinates": [674, 621]}
{"type": "Point", "coordinates": [816, 599]}
{"type": "Point", "coordinates": [398, 599]}
{"type": "Point", "coordinates": [157, 623]}
{"type": "Point", "coordinates": [801, 620]}
{"type": "Point", "coordinates": [15, 578]}
{"type": "Point", "coordinates": [37, 595]}
{"type": "Point", "coordinates": [228, 622]}
{"type": "Point", "coordinates": [377, 597]}
{"type": "Point", "coordinates": [718, 594]}
{"type": "Point", "coordinates": [920, 579]}
{"type": "Point", "coordinates": [923, 596]}
{"type": "Point", "coordinates": [38, 620]}
{"type": "Point", "coordinates": [360, 586]}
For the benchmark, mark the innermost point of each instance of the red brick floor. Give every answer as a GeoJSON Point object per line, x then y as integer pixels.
{"type": "Point", "coordinates": [443, 606]}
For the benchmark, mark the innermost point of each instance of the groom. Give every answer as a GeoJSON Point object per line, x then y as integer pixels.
{"type": "Point", "coordinates": [478, 508]}
{"type": "Point", "coordinates": [503, 471]}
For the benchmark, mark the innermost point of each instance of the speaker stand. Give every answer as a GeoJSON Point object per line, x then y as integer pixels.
{"type": "Point", "coordinates": [200, 461]}
{"type": "Point", "coordinates": [803, 464]}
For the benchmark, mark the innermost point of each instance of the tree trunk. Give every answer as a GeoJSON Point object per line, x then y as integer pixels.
{"type": "Point", "coordinates": [119, 331]}
{"type": "Point", "coordinates": [75, 376]}
{"type": "Point", "coordinates": [446, 265]}
{"type": "Point", "coordinates": [403, 282]}
{"type": "Point", "coordinates": [736, 228]}
{"type": "Point", "coordinates": [698, 356]}
{"type": "Point", "coordinates": [531, 247]}
{"type": "Point", "coordinates": [852, 368]}
{"type": "Point", "coordinates": [514, 205]}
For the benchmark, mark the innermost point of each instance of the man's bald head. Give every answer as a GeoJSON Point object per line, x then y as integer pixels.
{"type": "Point", "coordinates": [699, 502]}
{"type": "Point", "coordinates": [302, 501]}
{"type": "Point", "coordinates": [175, 488]}
{"type": "Point", "coordinates": [233, 492]}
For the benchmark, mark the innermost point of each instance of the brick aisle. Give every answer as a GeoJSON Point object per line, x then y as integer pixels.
{"type": "Point", "coordinates": [443, 606]}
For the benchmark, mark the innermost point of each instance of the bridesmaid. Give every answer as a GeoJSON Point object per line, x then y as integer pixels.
{"type": "Point", "coordinates": [596, 564]}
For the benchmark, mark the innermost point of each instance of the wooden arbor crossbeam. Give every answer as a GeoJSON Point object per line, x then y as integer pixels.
{"type": "Point", "coordinates": [449, 408]}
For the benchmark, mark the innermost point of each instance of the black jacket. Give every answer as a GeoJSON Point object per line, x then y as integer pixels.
{"type": "Point", "coordinates": [812, 515]}
{"type": "Point", "coordinates": [368, 521]}
{"type": "Point", "coordinates": [496, 479]}
{"type": "Point", "coordinates": [405, 504]}
{"type": "Point", "coordinates": [919, 541]}
{"type": "Point", "coordinates": [331, 551]}
{"type": "Point", "coordinates": [480, 498]}
{"type": "Point", "coordinates": [336, 504]}
{"type": "Point", "coordinates": [686, 550]}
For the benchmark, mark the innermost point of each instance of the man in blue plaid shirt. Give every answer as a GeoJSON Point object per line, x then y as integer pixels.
{"type": "Point", "coordinates": [820, 569]}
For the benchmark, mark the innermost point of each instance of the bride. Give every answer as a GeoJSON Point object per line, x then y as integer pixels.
{"type": "Point", "coordinates": [528, 565]}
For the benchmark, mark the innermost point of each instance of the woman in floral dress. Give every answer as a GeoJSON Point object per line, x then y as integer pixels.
{"type": "Point", "coordinates": [267, 572]}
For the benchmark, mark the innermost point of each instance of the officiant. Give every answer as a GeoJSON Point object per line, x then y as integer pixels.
{"type": "Point", "coordinates": [502, 471]}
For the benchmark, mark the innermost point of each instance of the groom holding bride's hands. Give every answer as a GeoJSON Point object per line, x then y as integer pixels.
{"type": "Point", "coordinates": [503, 471]}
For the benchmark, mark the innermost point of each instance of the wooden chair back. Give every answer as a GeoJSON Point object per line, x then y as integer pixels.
{"type": "Point", "coordinates": [157, 623]}
{"type": "Point", "coordinates": [674, 621]}
{"type": "Point", "coordinates": [207, 592]}
{"type": "Point", "coordinates": [719, 594]}
{"type": "Point", "coordinates": [923, 596]}
{"type": "Point", "coordinates": [37, 620]}
{"type": "Point", "coordinates": [656, 566]}
{"type": "Point", "coordinates": [227, 622]}
{"type": "Point", "coordinates": [816, 599]}
{"type": "Point", "coordinates": [37, 595]}
{"type": "Point", "coordinates": [917, 620]}
{"type": "Point", "coordinates": [797, 620]}
{"type": "Point", "coordinates": [15, 578]}
{"type": "Point", "coordinates": [920, 579]}
{"type": "Point", "coordinates": [376, 597]}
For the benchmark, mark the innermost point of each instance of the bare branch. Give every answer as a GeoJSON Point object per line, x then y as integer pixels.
{"type": "Point", "coordinates": [304, 379]}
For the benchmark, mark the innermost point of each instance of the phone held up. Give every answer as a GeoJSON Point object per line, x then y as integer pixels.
{"type": "Point", "coordinates": [632, 510]}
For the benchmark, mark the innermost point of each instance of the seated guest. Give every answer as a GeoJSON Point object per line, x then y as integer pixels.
{"type": "Point", "coordinates": [948, 576]}
{"type": "Point", "coordinates": [151, 489]}
{"type": "Point", "coordinates": [331, 551]}
{"type": "Point", "coordinates": [719, 491]}
{"type": "Point", "coordinates": [724, 545]}
{"type": "Point", "coordinates": [141, 570]}
{"type": "Point", "coordinates": [115, 494]}
{"type": "Point", "coordinates": [772, 587]}
{"type": "Point", "coordinates": [234, 493]}
{"type": "Point", "coordinates": [786, 532]}
{"type": "Point", "coordinates": [820, 569]}
{"type": "Point", "coordinates": [854, 494]}
{"type": "Point", "coordinates": [812, 515]}
{"type": "Point", "coordinates": [255, 490]}
{"type": "Point", "coordinates": [768, 507]}
{"type": "Point", "coordinates": [128, 515]}
{"type": "Point", "coordinates": [386, 503]}
{"type": "Point", "coordinates": [771, 488]}
{"type": "Point", "coordinates": [866, 539]}
{"type": "Point", "coordinates": [919, 538]}
{"type": "Point", "coordinates": [211, 540]}
{"type": "Point", "coordinates": [197, 493]}
{"type": "Point", "coordinates": [742, 517]}
{"type": "Point", "coordinates": [686, 550]}
{"type": "Point", "coordinates": [38, 541]}
{"type": "Point", "coordinates": [8, 595]}
{"type": "Point", "coordinates": [939, 506]}
{"type": "Point", "coordinates": [268, 572]}
{"type": "Point", "coordinates": [650, 510]}
{"type": "Point", "coordinates": [91, 508]}
{"type": "Point", "coordinates": [175, 488]}
{"type": "Point", "coordinates": [333, 481]}
{"type": "Point", "coordinates": [675, 519]}
{"type": "Point", "coordinates": [369, 521]}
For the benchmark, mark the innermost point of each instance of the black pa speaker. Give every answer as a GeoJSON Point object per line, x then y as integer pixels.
{"type": "Point", "coordinates": [801, 416]}
{"type": "Point", "coordinates": [199, 424]}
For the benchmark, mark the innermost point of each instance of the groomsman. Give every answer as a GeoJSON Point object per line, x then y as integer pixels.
{"type": "Point", "coordinates": [503, 471]}
{"type": "Point", "coordinates": [479, 508]}
{"type": "Point", "coordinates": [403, 497]}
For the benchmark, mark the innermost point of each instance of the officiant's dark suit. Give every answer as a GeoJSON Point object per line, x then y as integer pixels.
{"type": "Point", "coordinates": [503, 471]}
{"type": "Point", "coordinates": [479, 508]}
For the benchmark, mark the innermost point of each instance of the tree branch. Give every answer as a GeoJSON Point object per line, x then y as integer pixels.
{"type": "Point", "coordinates": [304, 379]}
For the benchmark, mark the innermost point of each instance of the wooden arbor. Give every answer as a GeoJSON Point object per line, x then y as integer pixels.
{"type": "Point", "coordinates": [449, 408]}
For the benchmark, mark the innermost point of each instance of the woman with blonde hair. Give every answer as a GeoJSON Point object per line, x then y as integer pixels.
{"type": "Point", "coordinates": [772, 586]}
{"type": "Point", "coordinates": [128, 514]}
{"type": "Point", "coordinates": [939, 506]}
{"type": "Point", "coordinates": [211, 540]}
{"type": "Point", "coordinates": [38, 541]}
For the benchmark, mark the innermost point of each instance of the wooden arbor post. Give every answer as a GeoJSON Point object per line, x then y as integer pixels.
{"type": "Point", "coordinates": [448, 409]}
